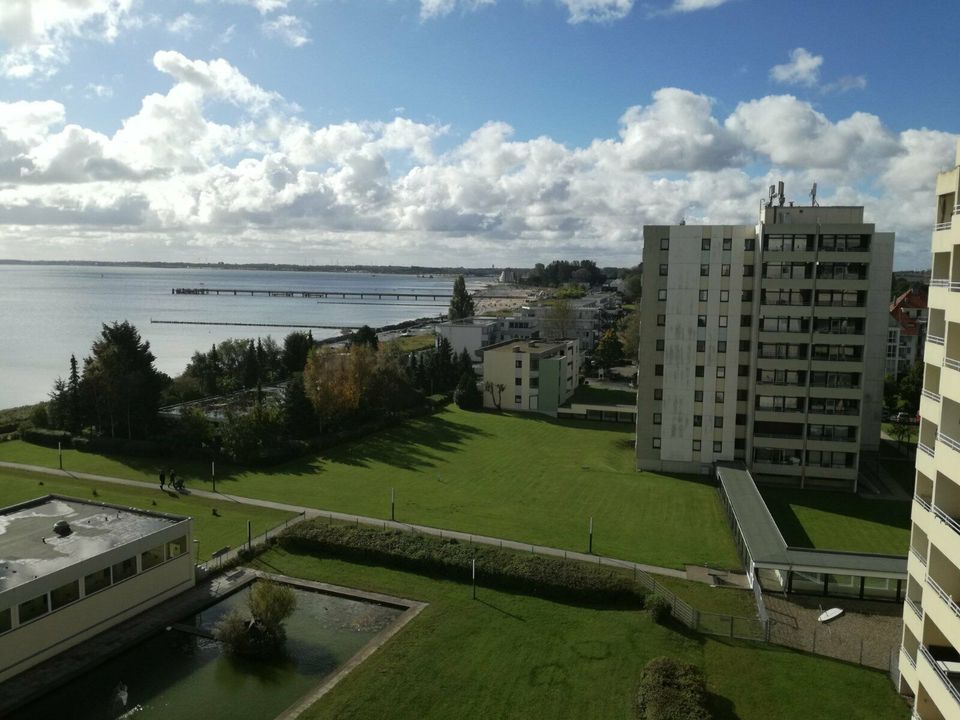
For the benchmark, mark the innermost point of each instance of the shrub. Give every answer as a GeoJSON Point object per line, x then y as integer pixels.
{"type": "Point", "coordinates": [659, 609]}
{"type": "Point", "coordinates": [468, 395]}
{"type": "Point", "coordinates": [671, 690]}
{"type": "Point", "coordinates": [447, 558]}
{"type": "Point", "coordinates": [268, 604]}
{"type": "Point", "coordinates": [48, 438]}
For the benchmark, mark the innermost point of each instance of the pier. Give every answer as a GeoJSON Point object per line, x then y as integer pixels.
{"type": "Point", "coordinates": [328, 294]}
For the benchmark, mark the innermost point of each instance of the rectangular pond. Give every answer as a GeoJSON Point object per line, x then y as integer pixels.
{"type": "Point", "coordinates": [181, 675]}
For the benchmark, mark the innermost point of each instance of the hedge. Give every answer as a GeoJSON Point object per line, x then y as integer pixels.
{"type": "Point", "coordinates": [450, 559]}
{"type": "Point", "coordinates": [672, 690]}
{"type": "Point", "coordinates": [48, 438]}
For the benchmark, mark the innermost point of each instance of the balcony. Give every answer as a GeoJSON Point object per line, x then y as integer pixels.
{"type": "Point", "coordinates": [916, 553]}
{"type": "Point", "coordinates": [929, 394]}
{"type": "Point", "coordinates": [917, 610]}
{"type": "Point", "coordinates": [950, 442]}
{"type": "Point", "coordinates": [946, 519]}
{"type": "Point", "coordinates": [935, 339]}
{"type": "Point", "coordinates": [942, 226]}
{"type": "Point", "coordinates": [926, 448]}
{"type": "Point", "coordinates": [943, 669]}
{"type": "Point", "coordinates": [945, 597]}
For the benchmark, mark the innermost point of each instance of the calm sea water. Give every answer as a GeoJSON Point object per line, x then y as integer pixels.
{"type": "Point", "coordinates": [49, 312]}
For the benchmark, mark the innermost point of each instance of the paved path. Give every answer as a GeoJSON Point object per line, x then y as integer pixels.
{"type": "Point", "coordinates": [729, 579]}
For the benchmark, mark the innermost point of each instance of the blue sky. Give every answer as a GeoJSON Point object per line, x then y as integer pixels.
{"type": "Point", "coordinates": [475, 131]}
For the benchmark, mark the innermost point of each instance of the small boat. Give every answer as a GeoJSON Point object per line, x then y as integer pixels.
{"type": "Point", "coordinates": [828, 615]}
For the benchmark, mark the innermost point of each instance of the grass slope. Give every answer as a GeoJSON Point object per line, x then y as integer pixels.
{"type": "Point", "coordinates": [516, 476]}
{"type": "Point", "coordinates": [228, 528]}
{"type": "Point", "coordinates": [839, 521]}
{"type": "Point", "coordinates": [513, 656]}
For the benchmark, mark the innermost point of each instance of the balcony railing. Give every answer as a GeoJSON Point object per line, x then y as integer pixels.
{"type": "Point", "coordinates": [926, 448]}
{"type": "Point", "coordinates": [956, 209]}
{"type": "Point", "coordinates": [955, 287]}
{"type": "Point", "coordinates": [918, 611]}
{"type": "Point", "coordinates": [939, 282]}
{"type": "Point", "coordinates": [925, 504]}
{"type": "Point", "coordinates": [908, 656]}
{"type": "Point", "coordinates": [944, 596]}
{"type": "Point", "coordinates": [951, 363]}
{"type": "Point", "coordinates": [930, 394]}
{"type": "Point", "coordinates": [949, 441]}
{"type": "Point", "coordinates": [941, 672]}
{"type": "Point", "coordinates": [946, 519]}
{"type": "Point", "coordinates": [918, 556]}
{"type": "Point", "coordinates": [935, 339]}
{"type": "Point", "coordinates": [942, 226]}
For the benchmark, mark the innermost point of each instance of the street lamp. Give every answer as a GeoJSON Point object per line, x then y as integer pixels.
{"type": "Point", "coordinates": [196, 544]}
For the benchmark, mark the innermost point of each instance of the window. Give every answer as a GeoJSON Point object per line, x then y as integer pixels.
{"type": "Point", "coordinates": [740, 444]}
{"type": "Point", "coordinates": [718, 422]}
{"type": "Point", "coordinates": [656, 443]}
{"type": "Point", "coordinates": [518, 364]}
{"type": "Point", "coordinates": [661, 320]}
{"type": "Point", "coordinates": [745, 320]}
{"type": "Point", "coordinates": [6, 620]}
{"type": "Point", "coordinates": [746, 296]}
{"type": "Point", "coordinates": [742, 395]}
{"type": "Point", "coordinates": [748, 270]}
{"type": "Point", "coordinates": [96, 581]}
{"type": "Point", "coordinates": [658, 394]}
{"type": "Point", "coordinates": [743, 370]}
{"type": "Point", "coordinates": [741, 419]}
{"type": "Point", "coordinates": [660, 344]}
{"type": "Point", "coordinates": [704, 271]}
{"type": "Point", "coordinates": [701, 321]}
{"type": "Point", "coordinates": [721, 346]}
{"type": "Point", "coordinates": [724, 295]}
{"type": "Point", "coordinates": [151, 557]}
{"type": "Point", "coordinates": [664, 243]}
{"type": "Point", "coordinates": [518, 381]}
{"type": "Point", "coordinates": [744, 346]}
{"type": "Point", "coordinates": [124, 569]}
{"type": "Point", "coordinates": [32, 609]}
{"type": "Point", "coordinates": [704, 295]}
{"type": "Point", "coordinates": [728, 243]}
{"type": "Point", "coordinates": [705, 244]}
{"type": "Point", "coordinates": [718, 446]}
{"type": "Point", "coordinates": [657, 418]}
{"type": "Point", "coordinates": [748, 244]}
{"type": "Point", "coordinates": [721, 371]}
{"type": "Point", "coordinates": [663, 270]}
{"type": "Point", "coordinates": [658, 370]}
{"type": "Point", "coordinates": [718, 396]}
{"type": "Point", "coordinates": [696, 445]}
{"type": "Point", "coordinates": [698, 420]}
{"type": "Point", "coordinates": [65, 594]}
{"type": "Point", "coordinates": [661, 295]}
{"type": "Point", "coordinates": [698, 371]}
{"type": "Point", "coordinates": [517, 399]}
{"type": "Point", "coordinates": [698, 395]}
{"type": "Point", "coordinates": [176, 548]}
{"type": "Point", "coordinates": [725, 271]}
{"type": "Point", "coordinates": [723, 321]}
{"type": "Point", "coordinates": [701, 345]}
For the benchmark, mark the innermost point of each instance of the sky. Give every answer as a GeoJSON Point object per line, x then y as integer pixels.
{"type": "Point", "coordinates": [459, 132]}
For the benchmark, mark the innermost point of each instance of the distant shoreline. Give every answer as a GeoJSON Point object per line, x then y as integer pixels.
{"type": "Point", "coordinates": [271, 267]}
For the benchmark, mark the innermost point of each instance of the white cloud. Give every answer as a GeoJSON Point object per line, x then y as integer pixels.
{"type": "Point", "coordinates": [98, 90]}
{"type": "Point", "coordinates": [289, 29]}
{"type": "Point", "coordinates": [597, 10]}
{"type": "Point", "coordinates": [803, 69]}
{"type": "Point", "coordinates": [684, 6]}
{"type": "Point", "coordinates": [845, 84]}
{"type": "Point", "coordinates": [438, 8]}
{"type": "Point", "coordinates": [38, 33]}
{"type": "Point", "coordinates": [263, 6]}
{"type": "Point", "coordinates": [185, 24]}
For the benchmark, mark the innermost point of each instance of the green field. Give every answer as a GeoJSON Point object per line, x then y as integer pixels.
{"type": "Point", "coordinates": [839, 521]}
{"type": "Point", "coordinates": [226, 529]}
{"type": "Point", "coordinates": [515, 656]}
{"type": "Point", "coordinates": [526, 478]}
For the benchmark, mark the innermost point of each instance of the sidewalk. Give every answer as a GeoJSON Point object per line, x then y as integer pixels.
{"type": "Point", "coordinates": [730, 579]}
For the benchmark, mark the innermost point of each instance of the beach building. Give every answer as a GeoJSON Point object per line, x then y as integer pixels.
{"type": "Point", "coordinates": [930, 656]}
{"type": "Point", "coordinates": [765, 344]}
{"type": "Point", "coordinates": [70, 569]}
{"type": "Point", "coordinates": [535, 376]}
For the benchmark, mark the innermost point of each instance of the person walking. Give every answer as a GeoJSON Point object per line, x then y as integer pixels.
{"type": "Point", "coordinates": [173, 480]}
{"type": "Point", "coordinates": [162, 478]}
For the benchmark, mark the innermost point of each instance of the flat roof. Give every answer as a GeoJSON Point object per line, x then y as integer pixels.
{"type": "Point", "coordinates": [767, 547]}
{"type": "Point", "coordinates": [534, 347]}
{"type": "Point", "coordinates": [30, 549]}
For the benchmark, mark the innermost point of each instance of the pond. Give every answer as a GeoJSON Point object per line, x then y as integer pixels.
{"type": "Point", "coordinates": [180, 675]}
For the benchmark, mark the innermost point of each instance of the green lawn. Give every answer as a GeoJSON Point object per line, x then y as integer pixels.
{"type": "Point", "coordinates": [588, 394]}
{"type": "Point", "coordinates": [839, 521]}
{"type": "Point", "coordinates": [515, 656]}
{"type": "Point", "coordinates": [521, 477]}
{"type": "Point", "coordinates": [412, 343]}
{"type": "Point", "coordinates": [227, 528]}
{"type": "Point", "coordinates": [910, 438]}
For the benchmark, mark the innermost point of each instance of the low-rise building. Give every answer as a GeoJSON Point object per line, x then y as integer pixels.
{"type": "Point", "coordinates": [906, 332]}
{"type": "Point", "coordinates": [70, 569]}
{"type": "Point", "coordinates": [530, 375]}
{"type": "Point", "coordinates": [470, 334]}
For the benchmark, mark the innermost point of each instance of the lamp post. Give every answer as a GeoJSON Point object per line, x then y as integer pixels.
{"type": "Point", "coordinates": [213, 475]}
{"type": "Point", "coordinates": [60, 453]}
{"type": "Point", "coordinates": [196, 544]}
{"type": "Point", "coordinates": [590, 549]}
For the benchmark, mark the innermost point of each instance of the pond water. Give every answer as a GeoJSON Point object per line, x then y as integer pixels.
{"type": "Point", "coordinates": [180, 676]}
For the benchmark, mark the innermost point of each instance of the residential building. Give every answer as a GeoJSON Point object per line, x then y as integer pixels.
{"type": "Point", "coordinates": [470, 334]}
{"type": "Point", "coordinates": [930, 657]}
{"type": "Point", "coordinates": [765, 344]}
{"type": "Point", "coordinates": [906, 331]}
{"type": "Point", "coordinates": [70, 569]}
{"type": "Point", "coordinates": [530, 375]}
{"type": "Point", "coordinates": [583, 318]}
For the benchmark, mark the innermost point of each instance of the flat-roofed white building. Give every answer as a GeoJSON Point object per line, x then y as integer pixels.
{"type": "Point", "coordinates": [530, 375]}
{"type": "Point", "coordinates": [70, 569]}
{"type": "Point", "coordinates": [470, 334]}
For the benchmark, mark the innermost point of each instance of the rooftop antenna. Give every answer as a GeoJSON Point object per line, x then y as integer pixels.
{"type": "Point", "coordinates": [772, 193]}
{"type": "Point", "coordinates": [780, 196]}
{"type": "Point", "coordinates": [813, 196]}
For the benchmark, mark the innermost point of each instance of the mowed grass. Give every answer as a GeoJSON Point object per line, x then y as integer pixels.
{"type": "Point", "coordinates": [513, 656]}
{"type": "Point", "coordinates": [525, 478]}
{"type": "Point", "coordinates": [226, 529]}
{"type": "Point", "coordinates": [839, 521]}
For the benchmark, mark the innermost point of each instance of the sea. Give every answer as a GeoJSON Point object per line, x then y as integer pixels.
{"type": "Point", "coordinates": [48, 312]}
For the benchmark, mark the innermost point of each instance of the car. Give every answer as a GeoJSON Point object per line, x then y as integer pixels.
{"type": "Point", "coordinates": [903, 417]}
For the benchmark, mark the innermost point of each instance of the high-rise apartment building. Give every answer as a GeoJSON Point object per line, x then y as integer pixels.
{"type": "Point", "coordinates": [765, 344]}
{"type": "Point", "coordinates": [930, 657]}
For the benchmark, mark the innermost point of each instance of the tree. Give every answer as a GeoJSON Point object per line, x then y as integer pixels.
{"type": "Point", "coordinates": [296, 347]}
{"type": "Point", "coordinates": [910, 387]}
{"type": "Point", "coordinates": [609, 350]}
{"type": "Point", "coordinates": [461, 304]}
{"type": "Point", "coordinates": [900, 431]}
{"type": "Point", "coordinates": [467, 396]}
{"type": "Point", "coordinates": [496, 392]}
{"type": "Point", "coordinates": [269, 604]}
{"type": "Point", "coordinates": [299, 419]}
{"type": "Point", "coordinates": [558, 322]}
{"type": "Point", "coordinates": [366, 335]}
{"type": "Point", "coordinates": [630, 334]}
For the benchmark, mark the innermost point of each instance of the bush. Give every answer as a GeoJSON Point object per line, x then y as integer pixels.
{"type": "Point", "coordinates": [671, 690]}
{"type": "Point", "coordinates": [450, 559]}
{"type": "Point", "coordinates": [468, 395]}
{"type": "Point", "coordinates": [262, 634]}
{"type": "Point", "coordinates": [48, 438]}
{"type": "Point", "coordinates": [659, 609]}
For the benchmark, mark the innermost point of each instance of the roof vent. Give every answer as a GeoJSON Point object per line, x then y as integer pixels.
{"type": "Point", "coordinates": [62, 528]}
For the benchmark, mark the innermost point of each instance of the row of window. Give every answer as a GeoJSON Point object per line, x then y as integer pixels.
{"type": "Point", "coordinates": [717, 445]}
{"type": "Point", "coordinates": [92, 583]}
{"type": "Point", "coordinates": [699, 370]}
{"type": "Point", "coordinates": [793, 456]}
{"type": "Point", "coordinates": [698, 395]}
{"type": "Point", "coordinates": [807, 242]}
{"type": "Point", "coordinates": [723, 320]}
{"type": "Point", "coordinates": [697, 420]}
{"type": "Point", "coordinates": [767, 376]}
{"type": "Point", "coordinates": [702, 345]}
{"type": "Point", "coordinates": [664, 270]}
{"type": "Point", "coordinates": [705, 243]}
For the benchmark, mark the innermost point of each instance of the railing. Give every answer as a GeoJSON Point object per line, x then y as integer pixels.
{"type": "Point", "coordinates": [916, 610]}
{"type": "Point", "coordinates": [951, 363]}
{"type": "Point", "coordinates": [939, 671]}
{"type": "Point", "coordinates": [930, 394]}
{"type": "Point", "coordinates": [935, 339]}
{"type": "Point", "coordinates": [944, 596]}
{"type": "Point", "coordinates": [946, 519]}
{"type": "Point", "coordinates": [939, 282]}
{"type": "Point", "coordinates": [949, 441]}
{"type": "Point", "coordinates": [956, 209]}
{"type": "Point", "coordinates": [942, 226]}
{"type": "Point", "coordinates": [910, 659]}
{"type": "Point", "coordinates": [955, 287]}
{"type": "Point", "coordinates": [917, 555]}
{"type": "Point", "coordinates": [926, 448]}
{"type": "Point", "coordinates": [925, 504]}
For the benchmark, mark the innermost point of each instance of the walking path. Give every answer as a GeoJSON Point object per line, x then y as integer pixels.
{"type": "Point", "coordinates": [695, 573]}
